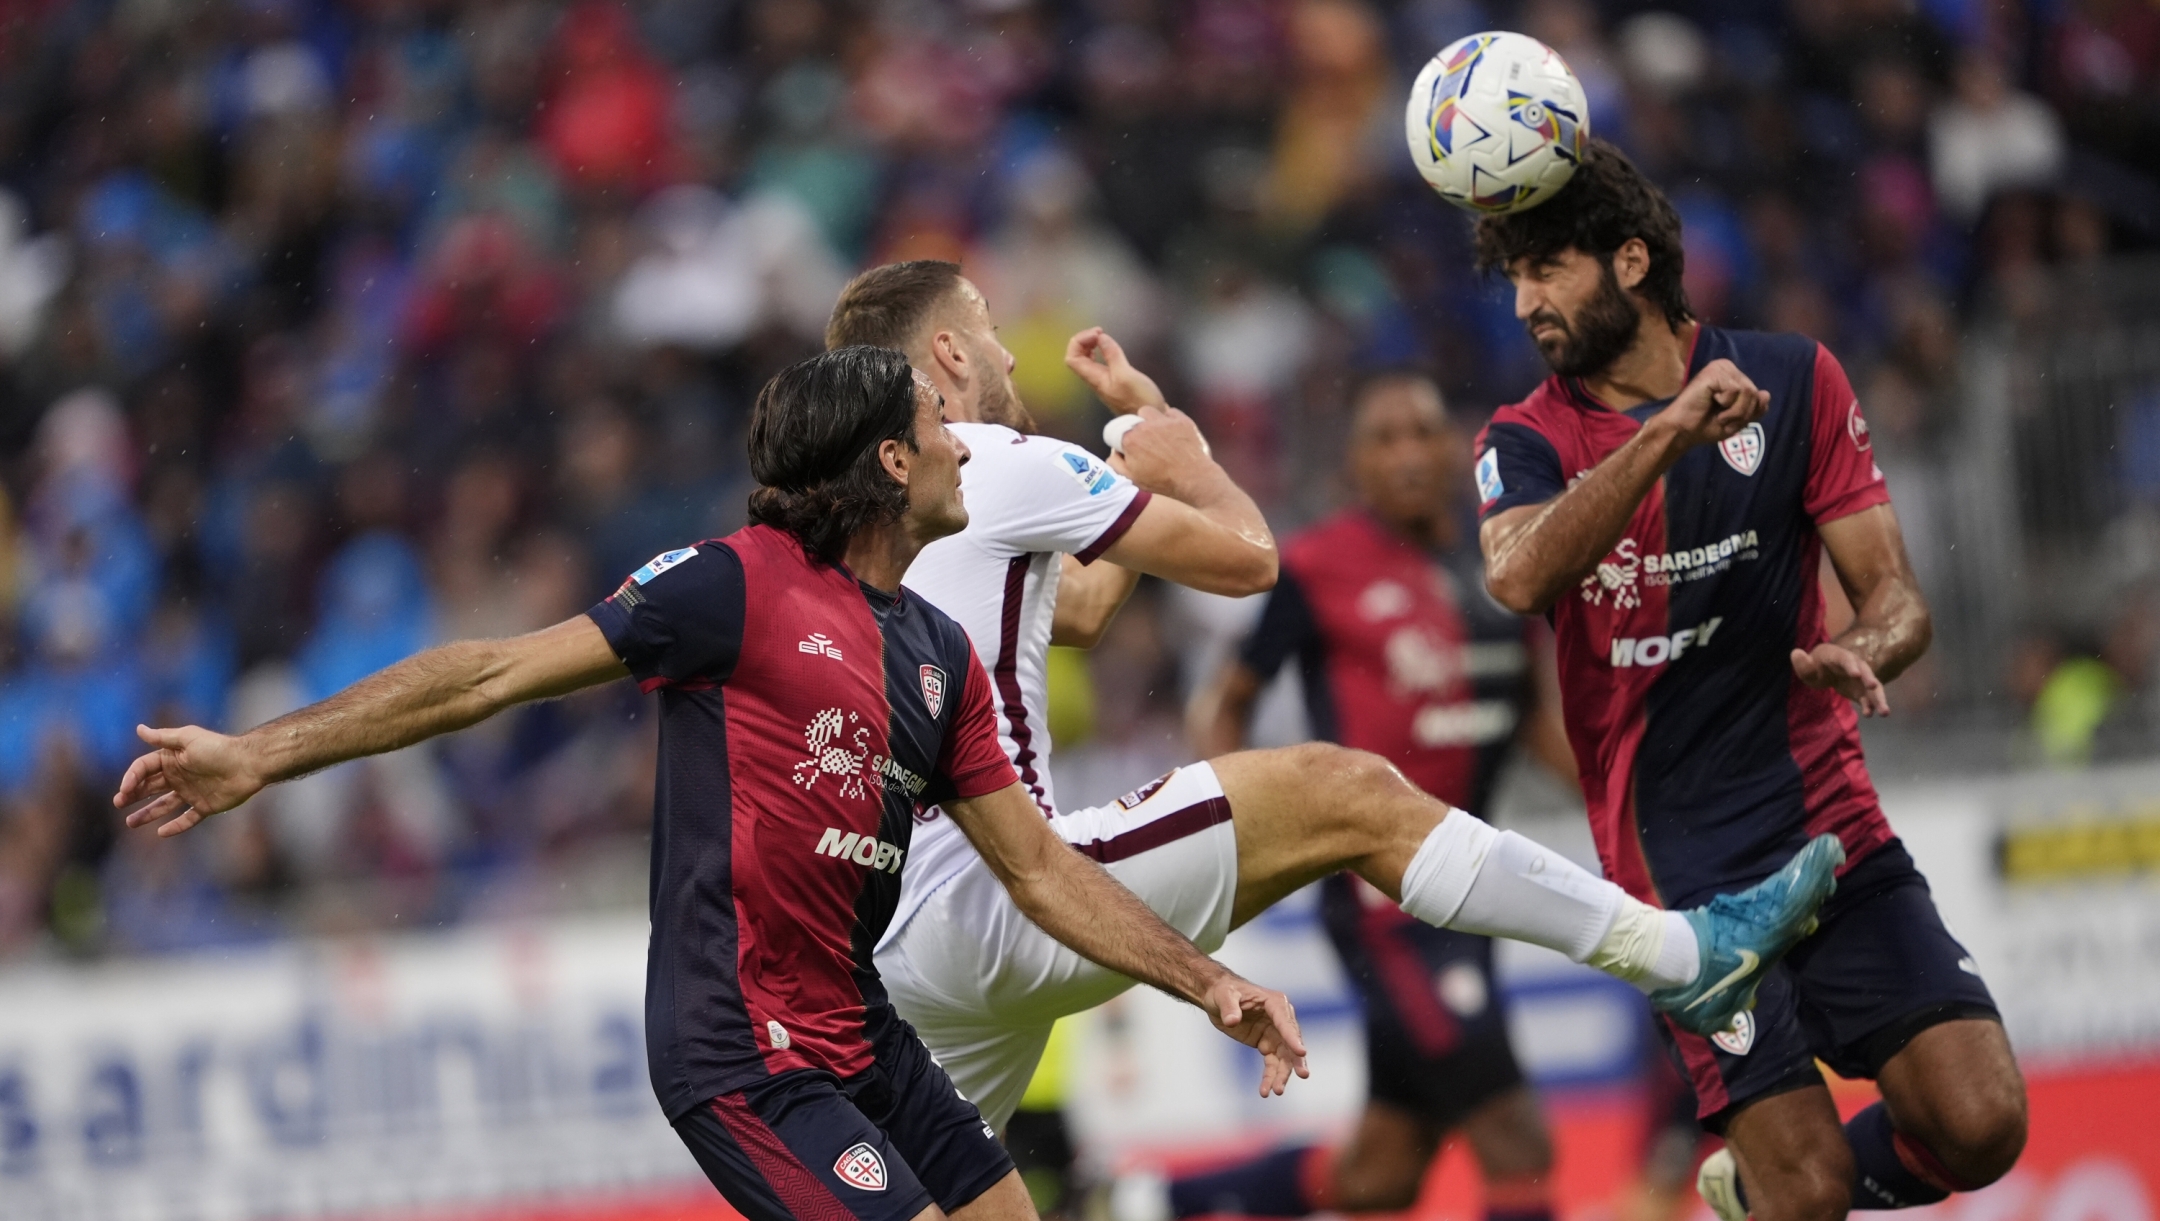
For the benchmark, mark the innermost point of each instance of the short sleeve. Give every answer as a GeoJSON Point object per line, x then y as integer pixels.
{"type": "Point", "coordinates": [679, 619]}
{"type": "Point", "coordinates": [1062, 498]}
{"type": "Point", "coordinates": [1286, 629]}
{"type": "Point", "coordinates": [970, 762]}
{"type": "Point", "coordinates": [1842, 477]}
{"type": "Point", "coordinates": [1516, 465]}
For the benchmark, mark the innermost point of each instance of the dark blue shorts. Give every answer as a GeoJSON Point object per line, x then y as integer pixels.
{"type": "Point", "coordinates": [882, 1145]}
{"type": "Point", "coordinates": [1436, 1040]}
{"type": "Point", "coordinates": [1881, 969]}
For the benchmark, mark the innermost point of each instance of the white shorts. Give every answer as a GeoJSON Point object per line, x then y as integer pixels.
{"type": "Point", "coordinates": [982, 984]}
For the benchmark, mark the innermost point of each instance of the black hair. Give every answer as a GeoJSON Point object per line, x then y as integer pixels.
{"type": "Point", "coordinates": [814, 438]}
{"type": "Point", "coordinates": [1607, 202]}
{"type": "Point", "coordinates": [1369, 380]}
{"type": "Point", "coordinates": [884, 306]}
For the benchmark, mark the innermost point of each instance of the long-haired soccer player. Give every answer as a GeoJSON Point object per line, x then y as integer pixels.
{"type": "Point", "coordinates": [808, 704]}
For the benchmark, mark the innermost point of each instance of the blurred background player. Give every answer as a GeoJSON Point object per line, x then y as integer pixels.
{"type": "Point", "coordinates": [1667, 497]}
{"type": "Point", "coordinates": [1383, 608]}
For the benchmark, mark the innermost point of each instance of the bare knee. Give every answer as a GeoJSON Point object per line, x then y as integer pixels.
{"type": "Point", "coordinates": [1508, 1136]}
{"type": "Point", "coordinates": [1956, 1092]}
{"type": "Point", "coordinates": [1378, 1189]}
{"type": "Point", "coordinates": [1978, 1140]}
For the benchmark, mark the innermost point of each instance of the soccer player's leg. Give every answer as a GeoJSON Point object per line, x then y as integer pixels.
{"type": "Point", "coordinates": [954, 1154]}
{"type": "Point", "coordinates": [797, 1146]}
{"type": "Point", "coordinates": [1756, 1084]}
{"type": "Point", "coordinates": [1437, 1059]}
{"type": "Point", "coordinates": [1888, 994]}
{"type": "Point", "coordinates": [1304, 812]}
{"type": "Point", "coordinates": [984, 985]}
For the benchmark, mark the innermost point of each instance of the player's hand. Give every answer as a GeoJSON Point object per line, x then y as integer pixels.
{"type": "Point", "coordinates": [1718, 403]}
{"type": "Point", "coordinates": [192, 774]}
{"type": "Point", "coordinates": [1263, 1020]}
{"type": "Point", "coordinates": [1165, 453]}
{"type": "Point", "coordinates": [1100, 362]}
{"type": "Point", "coordinates": [1839, 669]}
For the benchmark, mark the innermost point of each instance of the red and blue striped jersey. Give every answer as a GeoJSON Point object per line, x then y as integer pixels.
{"type": "Point", "coordinates": [804, 718]}
{"type": "Point", "coordinates": [1705, 762]}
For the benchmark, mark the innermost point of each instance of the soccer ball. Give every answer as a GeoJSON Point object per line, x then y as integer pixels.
{"type": "Point", "coordinates": [1496, 123]}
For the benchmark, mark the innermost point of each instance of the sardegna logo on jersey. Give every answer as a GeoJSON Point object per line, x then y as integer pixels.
{"type": "Point", "coordinates": [861, 1167]}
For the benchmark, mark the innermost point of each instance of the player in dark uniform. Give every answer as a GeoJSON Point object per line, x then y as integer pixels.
{"type": "Point", "coordinates": [1383, 608]}
{"type": "Point", "coordinates": [1667, 498]}
{"type": "Point", "coordinates": [808, 706]}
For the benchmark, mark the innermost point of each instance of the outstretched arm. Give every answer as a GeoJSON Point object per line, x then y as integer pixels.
{"type": "Point", "coordinates": [193, 773]}
{"type": "Point", "coordinates": [1533, 553]}
{"type": "Point", "coordinates": [1891, 627]}
{"type": "Point", "coordinates": [1076, 901]}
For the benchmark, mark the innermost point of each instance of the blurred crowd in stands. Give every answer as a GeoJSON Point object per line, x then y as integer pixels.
{"type": "Point", "coordinates": [332, 328]}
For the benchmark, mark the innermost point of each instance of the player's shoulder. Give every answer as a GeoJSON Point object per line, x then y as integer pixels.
{"type": "Point", "coordinates": [1760, 351]}
{"type": "Point", "coordinates": [1539, 409]}
{"type": "Point", "coordinates": [1000, 455]}
{"type": "Point", "coordinates": [700, 560]}
{"type": "Point", "coordinates": [949, 639]}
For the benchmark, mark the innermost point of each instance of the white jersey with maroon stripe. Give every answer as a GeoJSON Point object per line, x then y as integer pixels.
{"type": "Point", "coordinates": [1029, 499]}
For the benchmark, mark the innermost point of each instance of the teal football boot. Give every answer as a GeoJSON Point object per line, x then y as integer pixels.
{"type": "Point", "coordinates": [1742, 935]}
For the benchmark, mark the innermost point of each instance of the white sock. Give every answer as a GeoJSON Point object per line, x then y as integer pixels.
{"type": "Point", "coordinates": [1469, 876]}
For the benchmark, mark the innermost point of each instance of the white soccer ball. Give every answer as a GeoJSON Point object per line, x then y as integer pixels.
{"type": "Point", "coordinates": [1497, 123]}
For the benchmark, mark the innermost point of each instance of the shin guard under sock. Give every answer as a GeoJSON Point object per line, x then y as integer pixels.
{"type": "Point", "coordinates": [1884, 1176]}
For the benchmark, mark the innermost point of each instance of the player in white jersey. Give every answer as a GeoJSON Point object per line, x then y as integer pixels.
{"type": "Point", "coordinates": [1056, 539]}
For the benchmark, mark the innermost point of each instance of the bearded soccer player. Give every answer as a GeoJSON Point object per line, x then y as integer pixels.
{"type": "Point", "coordinates": [808, 703]}
{"type": "Point", "coordinates": [1210, 845]}
{"type": "Point", "coordinates": [1666, 498]}
{"type": "Point", "coordinates": [1382, 608]}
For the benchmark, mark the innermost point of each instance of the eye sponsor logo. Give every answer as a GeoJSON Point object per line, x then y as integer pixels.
{"type": "Point", "coordinates": [861, 1167]}
{"type": "Point", "coordinates": [820, 644]}
{"type": "Point", "coordinates": [1657, 650]}
{"type": "Point", "coordinates": [862, 849]}
{"type": "Point", "coordinates": [846, 757]}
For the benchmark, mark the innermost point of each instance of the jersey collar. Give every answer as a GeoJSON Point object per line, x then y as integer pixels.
{"type": "Point", "coordinates": [1579, 395]}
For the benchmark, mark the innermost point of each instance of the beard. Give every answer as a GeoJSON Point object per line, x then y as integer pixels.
{"type": "Point", "coordinates": [1599, 334]}
{"type": "Point", "coordinates": [999, 405]}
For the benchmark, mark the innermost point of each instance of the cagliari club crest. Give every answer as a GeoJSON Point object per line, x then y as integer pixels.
{"type": "Point", "coordinates": [1744, 449]}
{"type": "Point", "coordinates": [933, 689]}
{"type": "Point", "coordinates": [861, 1167]}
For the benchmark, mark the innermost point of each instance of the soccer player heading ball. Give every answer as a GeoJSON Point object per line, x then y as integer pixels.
{"type": "Point", "coordinates": [1666, 498]}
